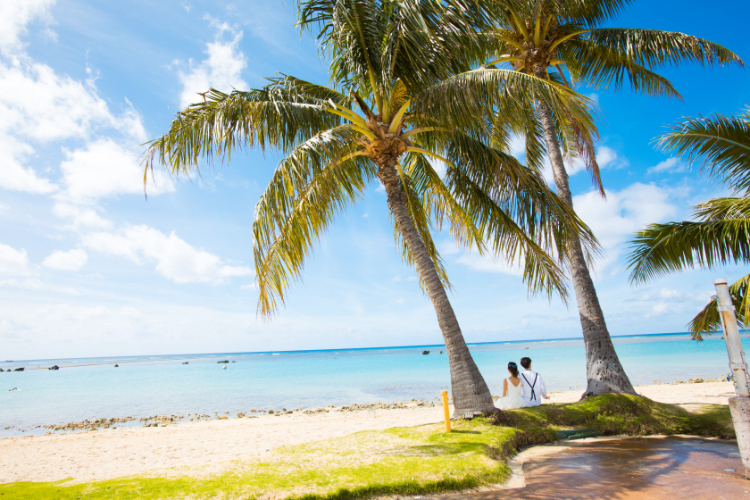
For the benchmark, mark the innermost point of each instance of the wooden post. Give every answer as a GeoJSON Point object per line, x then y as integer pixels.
{"type": "Point", "coordinates": [739, 406]}
{"type": "Point", "coordinates": [446, 412]}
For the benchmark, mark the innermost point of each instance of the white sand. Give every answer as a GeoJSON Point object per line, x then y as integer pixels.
{"type": "Point", "coordinates": [210, 446]}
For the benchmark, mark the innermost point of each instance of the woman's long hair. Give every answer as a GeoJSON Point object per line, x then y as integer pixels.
{"type": "Point", "coordinates": [513, 369]}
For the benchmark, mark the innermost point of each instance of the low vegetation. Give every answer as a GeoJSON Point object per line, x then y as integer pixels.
{"type": "Point", "coordinates": [401, 461]}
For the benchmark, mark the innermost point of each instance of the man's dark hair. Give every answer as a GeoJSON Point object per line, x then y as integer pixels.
{"type": "Point", "coordinates": [526, 363]}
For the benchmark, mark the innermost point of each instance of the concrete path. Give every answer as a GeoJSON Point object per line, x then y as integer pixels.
{"type": "Point", "coordinates": [627, 469]}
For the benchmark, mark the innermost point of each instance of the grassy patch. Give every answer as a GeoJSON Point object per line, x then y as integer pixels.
{"type": "Point", "coordinates": [403, 461]}
{"type": "Point", "coordinates": [619, 414]}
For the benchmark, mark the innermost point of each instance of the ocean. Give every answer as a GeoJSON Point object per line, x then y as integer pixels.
{"type": "Point", "coordinates": [90, 388]}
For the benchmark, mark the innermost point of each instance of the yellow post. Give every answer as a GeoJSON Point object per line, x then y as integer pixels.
{"type": "Point", "coordinates": [446, 413]}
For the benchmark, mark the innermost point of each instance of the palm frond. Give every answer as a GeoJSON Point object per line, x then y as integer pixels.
{"type": "Point", "coordinates": [508, 240]}
{"type": "Point", "coordinates": [420, 218]}
{"type": "Point", "coordinates": [654, 48]}
{"type": "Point", "coordinates": [282, 244]}
{"type": "Point", "coordinates": [275, 116]}
{"type": "Point", "coordinates": [723, 208]}
{"type": "Point", "coordinates": [602, 67]}
{"type": "Point", "coordinates": [588, 12]}
{"type": "Point", "coordinates": [440, 203]}
{"type": "Point", "coordinates": [295, 172]}
{"type": "Point", "coordinates": [709, 321]}
{"type": "Point", "coordinates": [460, 100]}
{"type": "Point", "coordinates": [722, 142]}
{"type": "Point", "coordinates": [664, 248]}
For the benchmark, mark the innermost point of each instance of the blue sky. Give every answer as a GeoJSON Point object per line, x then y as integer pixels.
{"type": "Point", "coordinates": [88, 267]}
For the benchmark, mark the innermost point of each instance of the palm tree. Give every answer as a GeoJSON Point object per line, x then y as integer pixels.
{"type": "Point", "coordinates": [402, 97]}
{"type": "Point", "coordinates": [559, 40]}
{"type": "Point", "coordinates": [721, 233]}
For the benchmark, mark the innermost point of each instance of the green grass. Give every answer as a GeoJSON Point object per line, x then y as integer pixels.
{"type": "Point", "coordinates": [403, 461]}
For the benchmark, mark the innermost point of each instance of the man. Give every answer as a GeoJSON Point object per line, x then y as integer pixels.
{"type": "Point", "coordinates": [533, 385]}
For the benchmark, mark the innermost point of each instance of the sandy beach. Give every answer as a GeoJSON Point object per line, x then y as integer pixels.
{"type": "Point", "coordinates": [216, 445]}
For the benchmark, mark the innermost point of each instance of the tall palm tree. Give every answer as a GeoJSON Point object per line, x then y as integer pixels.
{"type": "Point", "coordinates": [560, 40]}
{"type": "Point", "coordinates": [721, 233]}
{"type": "Point", "coordinates": [402, 97]}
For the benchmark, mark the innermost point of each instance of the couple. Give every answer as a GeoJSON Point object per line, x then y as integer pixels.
{"type": "Point", "coordinates": [524, 389]}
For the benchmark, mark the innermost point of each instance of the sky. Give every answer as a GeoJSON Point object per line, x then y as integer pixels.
{"type": "Point", "coordinates": [90, 267]}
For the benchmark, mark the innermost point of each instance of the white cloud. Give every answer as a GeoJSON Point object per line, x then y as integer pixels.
{"type": "Point", "coordinates": [37, 285]}
{"type": "Point", "coordinates": [606, 157]}
{"type": "Point", "coordinates": [221, 70]}
{"type": "Point", "coordinates": [175, 259]}
{"type": "Point", "coordinates": [616, 217]}
{"type": "Point", "coordinates": [673, 297]}
{"type": "Point", "coordinates": [104, 169]}
{"type": "Point", "coordinates": [665, 293]}
{"type": "Point", "coordinates": [15, 15]}
{"type": "Point", "coordinates": [14, 175]}
{"type": "Point", "coordinates": [659, 309]}
{"type": "Point", "coordinates": [72, 260]}
{"type": "Point", "coordinates": [486, 263]}
{"type": "Point", "coordinates": [517, 146]}
{"type": "Point", "coordinates": [490, 263]}
{"type": "Point", "coordinates": [81, 217]}
{"type": "Point", "coordinates": [13, 262]}
{"type": "Point", "coordinates": [37, 103]}
{"type": "Point", "coordinates": [670, 165]}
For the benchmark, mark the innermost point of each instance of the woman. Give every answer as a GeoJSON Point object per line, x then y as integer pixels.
{"type": "Point", "coordinates": [512, 396]}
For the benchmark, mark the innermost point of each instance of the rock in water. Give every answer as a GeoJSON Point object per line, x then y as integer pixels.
{"type": "Point", "coordinates": [18, 370]}
{"type": "Point", "coordinates": [54, 367]}
{"type": "Point", "coordinates": [223, 367]}
{"type": "Point", "coordinates": [441, 352]}
{"type": "Point", "coordinates": [1, 370]}
{"type": "Point", "coordinates": [425, 352]}
{"type": "Point", "coordinates": [117, 366]}
{"type": "Point", "coordinates": [184, 363]}
{"type": "Point", "coordinates": [225, 361]}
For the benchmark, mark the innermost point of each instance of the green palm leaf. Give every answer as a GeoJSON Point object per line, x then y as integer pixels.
{"type": "Point", "coordinates": [722, 233]}
{"type": "Point", "coordinates": [709, 320]}
{"type": "Point", "coordinates": [664, 248]}
{"type": "Point", "coordinates": [280, 115]}
{"type": "Point", "coordinates": [722, 142]}
{"type": "Point", "coordinates": [654, 48]}
{"type": "Point", "coordinates": [282, 244]}
{"type": "Point", "coordinates": [599, 66]}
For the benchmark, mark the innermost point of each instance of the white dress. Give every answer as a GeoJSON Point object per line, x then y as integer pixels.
{"type": "Point", "coordinates": [514, 399]}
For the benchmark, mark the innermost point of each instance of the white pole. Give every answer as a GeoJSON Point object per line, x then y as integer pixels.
{"type": "Point", "coordinates": [738, 406]}
{"type": "Point", "coordinates": [737, 365]}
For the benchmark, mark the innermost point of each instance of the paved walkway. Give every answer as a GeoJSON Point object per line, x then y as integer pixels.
{"type": "Point", "coordinates": [628, 469]}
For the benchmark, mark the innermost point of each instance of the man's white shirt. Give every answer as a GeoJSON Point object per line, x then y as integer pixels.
{"type": "Point", "coordinates": [533, 388]}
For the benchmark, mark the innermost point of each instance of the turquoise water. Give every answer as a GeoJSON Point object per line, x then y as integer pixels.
{"type": "Point", "coordinates": [162, 385]}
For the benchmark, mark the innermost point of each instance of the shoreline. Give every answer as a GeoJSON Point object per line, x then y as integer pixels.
{"type": "Point", "coordinates": [658, 391]}
{"type": "Point", "coordinates": [219, 444]}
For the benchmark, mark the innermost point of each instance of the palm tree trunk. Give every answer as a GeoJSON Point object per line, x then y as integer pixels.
{"type": "Point", "coordinates": [471, 396]}
{"type": "Point", "coordinates": [604, 372]}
